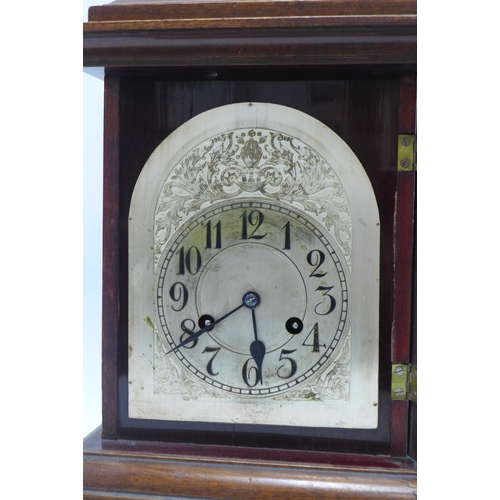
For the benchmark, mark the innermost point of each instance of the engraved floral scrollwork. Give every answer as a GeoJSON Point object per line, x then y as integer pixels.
{"type": "Point", "coordinates": [333, 384]}
{"type": "Point", "coordinates": [193, 183]}
{"type": "Point", "coordinates": [167, 375]}
{"type": "Point", "coordinates": [171, 379]}
{"type": "Point", "coordinates": [255, 162]}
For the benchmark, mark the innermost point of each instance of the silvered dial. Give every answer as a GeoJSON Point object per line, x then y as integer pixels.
{"type": "Point", "coordinates": [252, 298]}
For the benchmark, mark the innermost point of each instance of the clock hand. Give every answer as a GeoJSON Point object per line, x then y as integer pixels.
{"type": "Point", "coordinates": [250, 300]}
{"type": "Point", "coordinates": [257, 348]}
{"type": "Point", "coordinates": [197, 334]}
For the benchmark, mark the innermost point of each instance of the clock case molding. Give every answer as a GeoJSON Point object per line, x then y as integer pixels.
{"type": "Point", "coordinates": [351, 65]}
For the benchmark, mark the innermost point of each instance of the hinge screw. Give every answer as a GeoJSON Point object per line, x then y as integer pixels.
{"type": "Point", "coordinates": [405, 141]}
{"type": "Point", "coordinates": [405, 163]}
{"type": "Point", "coordinates": [399, 392]}
{"type": "Point", "coordinates": [399, 371]}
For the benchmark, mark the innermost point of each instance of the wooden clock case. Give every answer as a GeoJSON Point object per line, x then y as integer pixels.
{"type": "Point", "coordinates": [351, 65]}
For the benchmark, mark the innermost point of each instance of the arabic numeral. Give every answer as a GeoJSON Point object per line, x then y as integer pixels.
{"type": "Point", "coordinates": [286, 227]}
{"type": "Point", "coordinates": [188, 331]}
{"type": "Point", "coordinates": [254, 219]}
{"type": "Point", "coordinates": [249, 372]}
{"type": "Point", "coordinates": [210, 363]}
{"type": "Point", "coordinates": [292, 369]}
{"type": "Point", "coordinates": [315, 343]}
{"type": "Point", "coordinates": [315, 258]}
{"type": "Point", "coordinates": [218, 235]}
{"type": "Point", "coordinates": [331, 301]}
{"type": "Point", "coordinates": [190, 260]}
{"type": "Point", "coordinates": [179, 294]}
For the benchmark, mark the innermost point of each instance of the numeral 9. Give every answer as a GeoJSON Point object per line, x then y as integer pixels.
{"type": "Point", "coordinates": [179, 293]}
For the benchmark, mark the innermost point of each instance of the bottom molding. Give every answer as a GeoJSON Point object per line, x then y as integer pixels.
{"type": "Point", "coordinates": [111, 473]}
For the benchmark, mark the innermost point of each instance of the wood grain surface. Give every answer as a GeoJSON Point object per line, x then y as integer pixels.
{"type": "Point", "coordinates": [239, 33]}
{"type": "Point", "coordinates": [139, 475]}
{"type": "Point", "coordinates": [403, 266]}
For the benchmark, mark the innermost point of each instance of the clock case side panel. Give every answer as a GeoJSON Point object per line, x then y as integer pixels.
{"type": "Point", "coordinates": [149, 110]}
{"type": "Point", "coordinates": [111, 259]}
{"type": "Point", "coordinates": [403, 347]}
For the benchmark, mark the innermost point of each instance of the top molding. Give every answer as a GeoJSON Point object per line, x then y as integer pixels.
{"type": "Point", "coordinates": [240, 33]}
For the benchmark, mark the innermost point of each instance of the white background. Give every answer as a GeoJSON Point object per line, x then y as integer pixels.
{"type": "Point", "coordinates": [92, 250]}
{"type": "Point", "coordinates": [93, 89]}
{"type": "Point", "coordinates": [41, 207]}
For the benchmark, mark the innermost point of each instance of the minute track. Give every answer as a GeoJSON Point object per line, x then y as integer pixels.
{"type": "Point", "coordinates": [218, 273]}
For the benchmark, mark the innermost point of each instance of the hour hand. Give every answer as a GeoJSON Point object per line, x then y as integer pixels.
{"type": "Point", "coordinates": [257, 348]}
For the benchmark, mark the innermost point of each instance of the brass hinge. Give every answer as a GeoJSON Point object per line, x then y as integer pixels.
{"type": "Point", "coordinates": [404, 382]}
{"type": "Point", "coordinates": [407, 152]}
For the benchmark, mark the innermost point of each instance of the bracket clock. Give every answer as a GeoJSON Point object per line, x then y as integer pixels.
{"type": "Point", "coordinates": [258, 264]}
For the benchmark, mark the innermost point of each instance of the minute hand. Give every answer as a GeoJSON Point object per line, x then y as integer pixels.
{"type": "Point", "coordinates": [197, 334]}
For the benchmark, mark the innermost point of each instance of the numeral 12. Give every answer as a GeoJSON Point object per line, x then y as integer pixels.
{"type": "Point", "coordinates": [255, 219]}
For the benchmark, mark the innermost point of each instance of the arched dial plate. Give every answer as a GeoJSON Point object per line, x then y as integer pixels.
{"type": "Point", "coordinates": [263, 200]}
